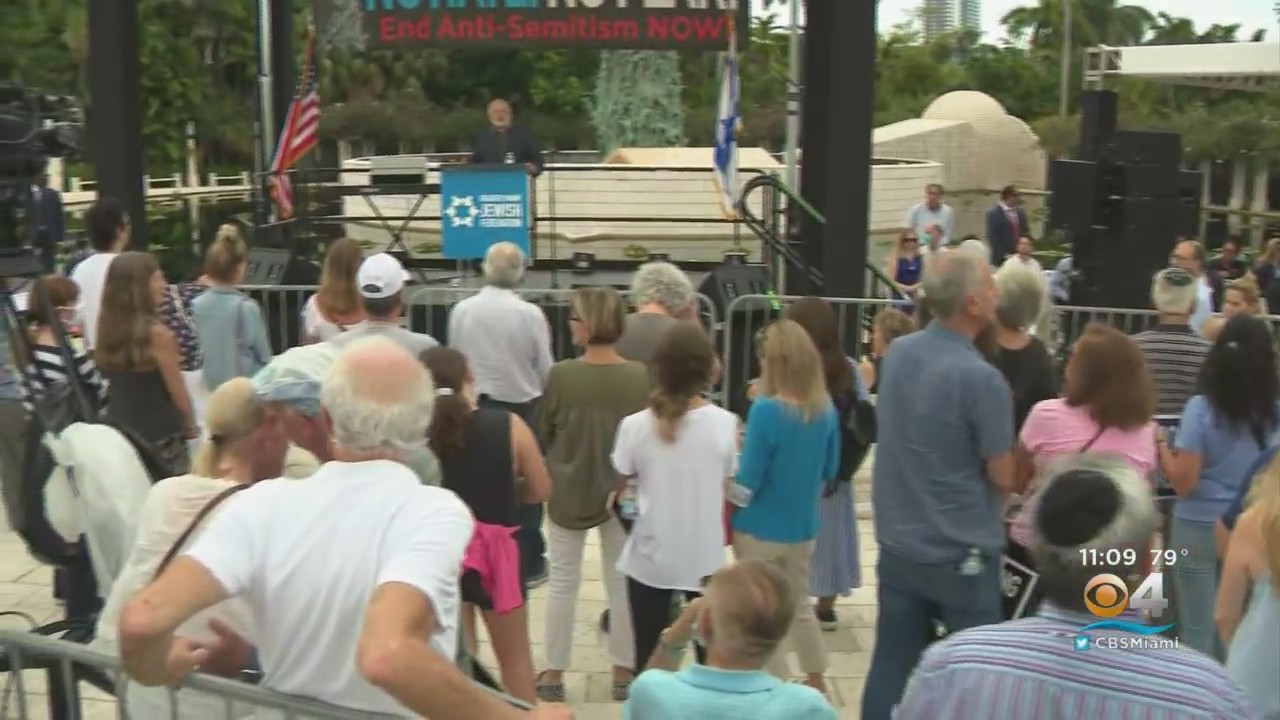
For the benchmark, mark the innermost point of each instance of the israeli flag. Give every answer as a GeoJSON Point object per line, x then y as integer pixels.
{"type": "Point", "coordinates": [725, 157]}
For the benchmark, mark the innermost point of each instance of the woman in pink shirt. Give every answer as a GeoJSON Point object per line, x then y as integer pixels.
{"type": "Point", "coordinates": [1107, 407]}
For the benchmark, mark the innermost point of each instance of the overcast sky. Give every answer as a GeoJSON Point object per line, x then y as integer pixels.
{"type": "Point", "coordinates": [1252, 14]}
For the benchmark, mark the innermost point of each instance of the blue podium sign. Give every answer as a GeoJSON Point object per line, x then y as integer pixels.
{"type": "Point", "coordinates": [481, 205]}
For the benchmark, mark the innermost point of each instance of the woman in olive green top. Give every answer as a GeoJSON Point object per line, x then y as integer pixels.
{"type": "Point", "coordinates": [582, 404]}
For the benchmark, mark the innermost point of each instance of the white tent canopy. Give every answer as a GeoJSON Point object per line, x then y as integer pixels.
{"type": "Point", "coordinates": [1233, 66]}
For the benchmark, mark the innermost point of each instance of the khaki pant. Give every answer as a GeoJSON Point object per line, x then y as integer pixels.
{"type": "Point", "coordinates": [805, 636]}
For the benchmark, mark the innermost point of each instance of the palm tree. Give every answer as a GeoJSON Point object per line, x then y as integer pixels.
{"type": "Point", "coordinates": [1094, 22]}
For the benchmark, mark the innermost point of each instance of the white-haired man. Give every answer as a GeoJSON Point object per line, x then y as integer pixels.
{"type": "Point", "coordinates": [380, 281]}
{"type": "Point", "coordinates": [741, 619]}
{"type": "Point", "coordinates": [662, 296]}
{"type": "Point", "coordinates": [507, 341]}
{"type": "Point", "coordinates": [937, 494]}
{"type": "Point", "coordinates": [1092, 531]}
{"type": "Point", "coordinates": [352, 575]}
{"type": "Point", "coordinates": [1173, 350]}
{"type": "Point", "coordinates": [291, 384]}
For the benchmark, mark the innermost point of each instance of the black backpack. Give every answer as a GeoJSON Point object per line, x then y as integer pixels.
{"type": "Point", "coordinates": [857, 418]}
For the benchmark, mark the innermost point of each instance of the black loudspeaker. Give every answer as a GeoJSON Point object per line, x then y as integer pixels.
{"type": "Point", "coordinates": [1189, 188]}
{"type": "Point", "coordinates": [1148, 215]}
{"type": "Point", "coordinates": [1073, 184]}
{"type": "Point", "coordinates": [722, 286]}
{"type": "Point", "coordinates": [1141, 147]}
{"type": "Point", "coordinates": [729, 282]}
{"type": "Point", "coordinates": [1098, 119]}
{"type": "Point", "coordinates": [1139, 181]}
{"type": "Point", "coordinates": [278, 266]}
{"type": "Point", "coordinates": [274, 267]}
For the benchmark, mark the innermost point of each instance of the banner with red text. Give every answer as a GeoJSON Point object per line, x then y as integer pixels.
{"type": "Point", "coordinates": [608, 24]}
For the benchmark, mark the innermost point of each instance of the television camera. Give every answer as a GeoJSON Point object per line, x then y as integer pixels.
{"type": "Point", "coordinates": [33, 128]}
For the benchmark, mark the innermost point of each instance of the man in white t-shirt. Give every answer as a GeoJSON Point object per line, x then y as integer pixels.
{"type": "Point", "coordinates": [352, 576]}
{"type": "Point", "coordinates": [1022, 257]}
{"type": "Point", "coordinates": [107, 225]}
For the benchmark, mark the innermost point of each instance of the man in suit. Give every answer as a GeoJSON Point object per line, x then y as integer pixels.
{"type": "Point", "coordinates": [503, 143]}
{"type": "Point", "coordinates": [1006, 222]}
{"type": "Point", "coordinates": [46, 221]}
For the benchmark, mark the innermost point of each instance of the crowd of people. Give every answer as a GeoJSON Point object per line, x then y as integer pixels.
{"type": "Point", "coordinates": [336, 518]}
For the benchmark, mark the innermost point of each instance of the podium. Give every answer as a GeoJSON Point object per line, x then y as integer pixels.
{"type": "Point", "coordinates": [481, 205]}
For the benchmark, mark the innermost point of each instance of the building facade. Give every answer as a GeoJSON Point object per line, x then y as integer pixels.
{"type": "Point", "coordinates": [943, 16]}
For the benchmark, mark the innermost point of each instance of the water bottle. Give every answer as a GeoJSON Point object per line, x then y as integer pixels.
{"type": "Point", "coordinates": [627, 509]}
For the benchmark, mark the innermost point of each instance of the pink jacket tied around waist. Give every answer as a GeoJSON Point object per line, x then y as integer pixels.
{"type": "Point", "coordinates": [494, 556]}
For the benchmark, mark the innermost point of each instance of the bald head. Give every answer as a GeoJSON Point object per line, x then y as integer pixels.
{"type": "Point", "coordinates": [503, 265]}
{"type": "Point", "coordinates": [499, 112]}
{"type": "Point", "coordinates": [751, 606]}
{"type": "Point", "coordinates": [377, 396]}
{"type": "Point", "coordinates": [1188, 255]}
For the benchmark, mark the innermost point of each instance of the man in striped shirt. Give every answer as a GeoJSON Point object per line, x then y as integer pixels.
{"type": "Point", "coordinates": [1045, 667]}
{"type": "Point", "coordinates": [1173, 350]}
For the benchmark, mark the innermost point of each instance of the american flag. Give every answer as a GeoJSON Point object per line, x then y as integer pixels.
{"type": "Point", "coordinates": [299, 134]}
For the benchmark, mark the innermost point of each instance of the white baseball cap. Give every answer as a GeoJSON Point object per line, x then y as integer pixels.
{"type": "Point", "coordinates": [381, 276]}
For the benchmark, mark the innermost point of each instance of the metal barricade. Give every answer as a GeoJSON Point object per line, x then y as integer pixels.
{"type": "Point", "coordinates": [748, 314]}
{"type": "Point", "coordinates": [68, 665]}
{"type": "Point", "coordinates": [427, 311]}
{"type": "Point", "coordinates": [1069, 322]}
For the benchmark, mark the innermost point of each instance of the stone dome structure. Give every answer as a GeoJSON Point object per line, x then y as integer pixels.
{"type": "Point", "coordinates": [981, 110]}
{"type": "Point", "coordinates": [981, 147]}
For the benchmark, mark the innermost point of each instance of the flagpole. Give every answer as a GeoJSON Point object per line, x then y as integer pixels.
{"type": "Point", "coordinates": [266, 115]}
{"type": "Point", "coordinates": [791, 159]}
{"type": "Point", "coordinates": [737, 109]}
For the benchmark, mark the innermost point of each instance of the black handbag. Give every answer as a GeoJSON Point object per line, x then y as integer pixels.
{"type": "Point", "coordinates": [857, 433]}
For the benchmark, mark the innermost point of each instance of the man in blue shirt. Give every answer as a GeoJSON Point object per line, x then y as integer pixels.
{"type": "Point", "coordinates": [944, 462]}
{"type": "Point", "coordinates": [742, 617]}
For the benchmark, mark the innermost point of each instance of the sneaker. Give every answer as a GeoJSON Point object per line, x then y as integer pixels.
{"type": "Point", "coordinates": [827, 619]}
{"type": "Point", "coordinates": [536, 580]}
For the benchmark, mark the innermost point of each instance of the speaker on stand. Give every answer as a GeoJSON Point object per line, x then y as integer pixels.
{"type": "Point", "coordinates": [268, 269]}
{"type": "Point", "coordinates": [740, 324]}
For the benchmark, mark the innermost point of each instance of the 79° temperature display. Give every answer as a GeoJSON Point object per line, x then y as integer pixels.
{"type": "Point", "coordinates": [1093, 557]}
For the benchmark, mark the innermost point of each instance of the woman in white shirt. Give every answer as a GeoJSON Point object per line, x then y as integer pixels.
{"type": "Point", "coordinates": [336, 305]}
{"type": "Point", "coordinates": [674, 459]}
{"type": "Point", "coordinates": [243, 445]}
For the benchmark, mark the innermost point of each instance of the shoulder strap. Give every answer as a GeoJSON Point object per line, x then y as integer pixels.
{"type": "Point", "coordinates": [1092, 440]}
{"type": "Point", "coordinates": [195, 523]}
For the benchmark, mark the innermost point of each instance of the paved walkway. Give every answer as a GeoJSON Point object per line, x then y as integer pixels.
{"type": "Point", "coordinates": [25, 587]}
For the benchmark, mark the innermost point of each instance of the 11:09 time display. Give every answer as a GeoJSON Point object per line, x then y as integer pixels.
{"type": "Point", "coordinates": [1112, 557]}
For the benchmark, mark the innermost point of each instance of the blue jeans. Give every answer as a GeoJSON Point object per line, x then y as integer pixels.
{"type": "Point", "coordinates": [912, 598]}
{"type": "Point", "coordinates": [1196, 578]}
{"type": "Point", "coordinates": [529, 538]}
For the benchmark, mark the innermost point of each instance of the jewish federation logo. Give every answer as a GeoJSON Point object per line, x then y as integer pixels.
{"type": "Point", "coordinates": [462, 211]}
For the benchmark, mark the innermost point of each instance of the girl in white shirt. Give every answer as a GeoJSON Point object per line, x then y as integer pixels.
{"type": "Point", "coordinates": [336, 305]}
{"type": "Point", "coordinates": [676, 457]}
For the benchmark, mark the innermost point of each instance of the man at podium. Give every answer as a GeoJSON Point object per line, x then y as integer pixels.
{"type": "Point", "coordinates": [503, 143]}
